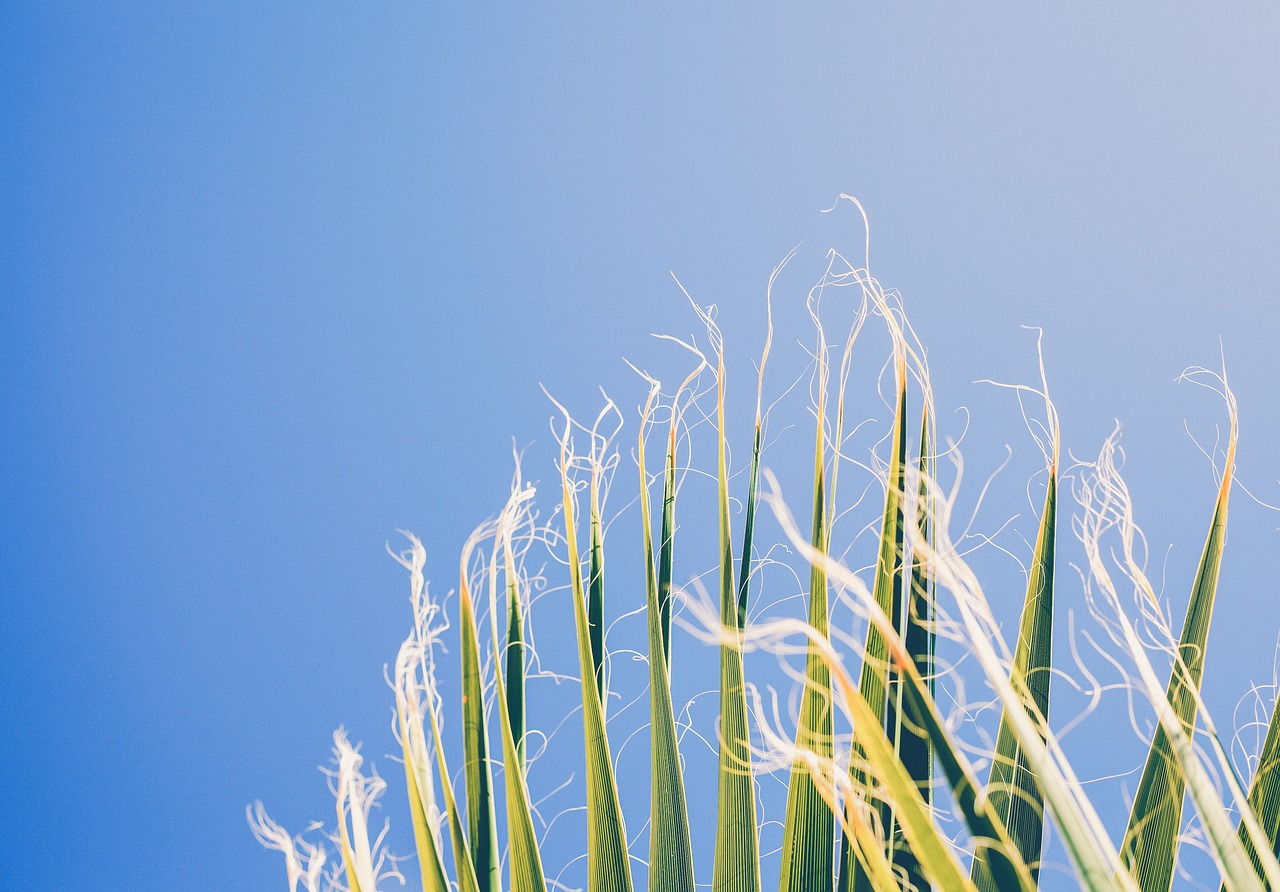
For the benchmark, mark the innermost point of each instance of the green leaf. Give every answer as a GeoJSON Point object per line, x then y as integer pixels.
{"type": "Point", "coordinates": [748, 530]}
{"type": "Point", "coordinates": [916, 610]}
{"type": "Point", "coordinates": [1149, 850]}
{"type": "Point", "coordinates": [888, 593]}
{"type": "Point", "coordinates": [1238, 873]}
{"type": "Point", "coordinates": [1264, 795]}
{"type": "Point", "coordinates": [880, 761]}
{"type": "Point", "coordinates": [666, 551]}
{"type": "Point", "coordinates": [808, 835]}
{"type": "Point", "coordinates": [985, 823]}
{"type": "Point", "coordinates": [1012, 786]}
{"type": "Point", "coordinates": [524, 858]}
{"type": "Point", "coordinates": [515, 683]}
{"type": "Point", "coordinates": [414, 681]}
{"type": "Point", "coordinates": [737, 853]}
{"type": "Point", "coordinates": [920, 710]}
{"type": "Point", "coordinates": [595, 592]}
{"type": "Point", "coordinates": [482, 823]}
{"type": "Point", "coordinates": [430, 858]}
{"type": "Point", "coordinates": [607, 859]}
{"type": "Point", "coordinates": [670, 846]}
{"type": "Point", "coordinates": [467, 881]}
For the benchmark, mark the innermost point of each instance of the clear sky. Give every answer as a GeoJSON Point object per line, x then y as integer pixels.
{"type": "Point", "coordinates": [278, 279]}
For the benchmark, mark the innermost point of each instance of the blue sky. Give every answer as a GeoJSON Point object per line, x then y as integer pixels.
{"type": "Point", "coordinates": [278, 281]}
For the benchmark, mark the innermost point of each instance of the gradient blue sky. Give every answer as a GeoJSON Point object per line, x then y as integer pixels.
{"type": "Point", "coordinates": [279, 280]}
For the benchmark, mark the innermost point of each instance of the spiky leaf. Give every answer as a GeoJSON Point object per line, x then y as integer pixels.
{"type": "Point", "coordinates": [1149, 850]}
{"type": "Point", "coordinates": [607, 859]}
{"type": "Point", "coordinates": [808, 836]}
{"type": "Point", "coordinates": [595, 594]}
{"type": "Point", "coordinates": [524, 857]}
{"type": "Point", "coordinates": [1012, 786]}
{"type": "Point", "coordinates": [514, 658]}
{"type": "Point", "coordinates": [666, 550]}
{"type": "Point", "coordinates": [670, 847]}
{"type": "Point", "coordinates": [482, 823]}
{"type": "Point", "coordinates": [1264, 795]}
{"type": "Point", "coordinates": [915, 612]}
{"type": "Point", "coordinates": [888, 592]}
{"type": "Point", "coordinates": [737, 853]}
{"type": "Point", "coordinates": [430, 857]}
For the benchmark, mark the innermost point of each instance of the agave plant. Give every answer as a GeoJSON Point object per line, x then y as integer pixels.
{"type": "Point", "coordinates": [871, 761]}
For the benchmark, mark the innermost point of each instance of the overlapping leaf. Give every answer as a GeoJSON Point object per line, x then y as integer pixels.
{"type": "Point", "coordinates": [670, 846]}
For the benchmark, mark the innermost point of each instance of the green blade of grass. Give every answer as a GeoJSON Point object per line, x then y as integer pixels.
{"type": "Point", "coordinates": [921, 712]}
{"type": "Point", "coordinates": [808, 835]}
{"type": "Point", "coordinates": [430, 857]}
{"type": "Point", "coordinates": [991, 839]}
{"type": "Point", "coordinates": [1238, 873]}
{"type": "Point", "coordinates": [1083, 834]}
{"type": "Point", "coordinates": [466, 872]}
{"type": "Point", "coordinates": [1246, 857]}
{"type": "Point", "coordinates": [412, 663]}
{"type": "Point", "coordinates": [482, 822]}
{"type": "Point", "coordinates": [607, 859]}
{"type": "Point", "coordinates": [867, 847]}
{"type": "Point", "coordinates": [1264, 795]}
{"type": "Point", "coordinates": [595, 592]}
{"type": "Point", "coordinates": [880, 761]}
{"type": "Point", "coordinates": [980, 816]}
{"type": "Point", "coordinates": [1107, 504]}
{"type": "Point", "coordinates": [666, 550]}
{"type": "Point", "coordinates": [748, 530]}
{"type": "Point", "coordinates": [888, 592]}
{"type": "Point", "coordinates": [913, 744]}
{"type": "Point", "coordinates": [670, 846]}
{"type": "Point", "coordinates": [1012, 786]}
{"type": "Point", "coordinates": [737, 858]}
{"type": "Point", "coordinates": [1149, 850]}
{"type": "Point", "coordinates": [514, 659]}
{"type": "Point", "coordinates": [524, 858]}
{"type": "Point", "coordinates": [911, 813]}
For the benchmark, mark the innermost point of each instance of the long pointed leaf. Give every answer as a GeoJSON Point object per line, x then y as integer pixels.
{"type": "Point", "coordinates": [430, 858]}
{"type": "Point", "coordinates": [607, 859]}
{"type": "Point", "coordinates": [666, 550]}
{"type": "Point", "coordinates": [412, 663]}
{"type": "Point", "coordinates": [921, 711]}
{"type": "Point", "coordinates": [670, 846]}
{"type": "Point", "coordinates": [888, 592]}
{"type": "Point", "coordinates": [737, 853]}
{"type": "Point", "coordinates": [808, 836]}
{"type": "Point", "coordinates": [748, 530]}
{"type": "Point", "coordinates": [880, 761]}
{"type": "Point", "coordinates": [467, 881]}
{"type": "Point", "coordinates": [482, 822]}
{"type": "Point", "coordinates": [524, 857]}
{"type": "Point", "coordinates": [1012, 786]}
{"type": "Point", "coordinates": [1264, 794]}
{"type": "Point", "coordinates": [595, 592]}
{"type": "Point", "coordinates": [1149, 850]}
{"type": "Point", "coordinates": [913, 744]}
{"type": "Point", "coordinates": [515, 666]}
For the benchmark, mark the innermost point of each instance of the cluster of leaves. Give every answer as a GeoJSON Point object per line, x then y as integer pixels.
{"type": "Point", "coordinates": [861, 819]}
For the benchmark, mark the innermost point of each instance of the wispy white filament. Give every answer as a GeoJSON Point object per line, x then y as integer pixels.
{"type": "Point", "coordinates": [356, 794]}
{"type": "Point", "coordinates": [415, 679]}
{"type": "Point", "coordinates": [295, 851]}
